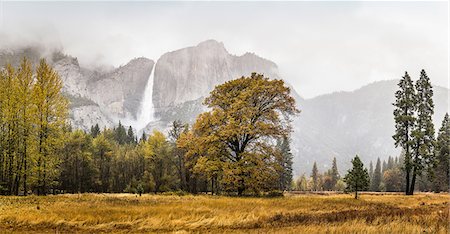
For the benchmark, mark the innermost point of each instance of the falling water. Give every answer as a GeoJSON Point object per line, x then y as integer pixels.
{"type": "Point", "coordinates": [146, 110]}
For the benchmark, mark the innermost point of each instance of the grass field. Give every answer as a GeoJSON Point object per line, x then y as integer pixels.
{"type": "Point", "coordinates": [97, 213]}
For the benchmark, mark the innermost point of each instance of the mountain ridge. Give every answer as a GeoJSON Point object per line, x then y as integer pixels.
{"type": "Point", "coordinates": [339, 124]}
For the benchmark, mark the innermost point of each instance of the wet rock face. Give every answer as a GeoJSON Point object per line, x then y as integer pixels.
{"type": "Point", "coordinates": [181, 78]}
{"type": "Point", "coordinates": [120, 91]}
{"type": "Point", "coordinates": [190, 73]}
{"type": "Point", "coordinates": [95, 95]}
{"type": "Point", "coordinates": [117, 94]}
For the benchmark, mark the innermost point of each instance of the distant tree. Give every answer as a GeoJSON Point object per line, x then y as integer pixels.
{"type": "Point", "coordinates": [120, 134]}
{"type": "Point", "coordinates": [340, 185]}
{"type": "Point", "coordinates": [285, 163]}
{"type": "Point", "coordinates": [357, 178]}
{"type": "Point", "coordinates": [102, 153]}
{"type": "Point", "coordinates": [175, 132]}
{"type": "Point", "coordinates": [131, 139]}
{"type": "Point", "coordinates": [302, 183]}
{"type": "Point", "coordinates": [315, 177]}
{"type": "Point", "coordinates": [140, 189]}
{"type": "Point", "coordinates": [334, 173]}
{"type": "Point", "coordinates": [405, 105]}
{"type": "Point", "coordinates": [393, 180]}
{"type": "Point", "coordinates": [376, 178]}
{"type": "Point", "coordinates": [143, 137]}
{"type": "Point", "coordinates": [371, 171]}
{"type": "Point", "coordinates": [384, 166]}
{"type": "Point", "coordinates": [327, 182]}
{"type": "Point", "coordinates": [95, 130]}
{"type": "Point", "coordinates": [160, 167]}
{"type": "Point", "coordinates": [442, 154]}
{"type": "Point", "coordinates": [390, 163]}
{"type": "Point", "coordinates": [78, 171]}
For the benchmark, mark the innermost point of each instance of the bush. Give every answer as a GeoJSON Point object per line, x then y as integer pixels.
{"type": "Point", "coordinates": [275, 193]}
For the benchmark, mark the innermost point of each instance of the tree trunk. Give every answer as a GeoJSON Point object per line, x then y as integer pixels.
{"type": "Point", "coordinates": [407, 170]}
{"type": "Point", "coordinates": [413, 182]}
{"type": "Point", "coordinates": [25, 189]}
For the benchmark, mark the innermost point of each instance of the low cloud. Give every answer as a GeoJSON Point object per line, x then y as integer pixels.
{"type": "Point", "coordinates": [320, 47]}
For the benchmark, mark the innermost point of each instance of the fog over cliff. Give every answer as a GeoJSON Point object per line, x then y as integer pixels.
{"type": "Point", "coordinates": [319, 47]}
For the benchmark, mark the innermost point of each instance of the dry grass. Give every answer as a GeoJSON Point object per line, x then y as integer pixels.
{"type": "Point", "coordinates": [97, 213]}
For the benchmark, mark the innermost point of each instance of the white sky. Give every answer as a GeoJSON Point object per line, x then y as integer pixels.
{"type": "Point", "coordinates": [320, 47]}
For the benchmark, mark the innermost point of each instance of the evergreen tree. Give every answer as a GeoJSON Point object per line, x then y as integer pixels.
{"type": "Point", "coordinates": [384, 166]}
{"type": "Point", "coordinates": [357, 178]}
{"type": "Point", "coordinates": [95, 130]}
{"type": "Point", "coordinates": [78, 172]}
{"type": "Point", "coordinates": [130, 136]}
{"type": "Point", "coordinates": [390, 163]}
{"type": "Point", "coordinates": [371, 171]}
{"type": "Point", "coordinates": [442, 153]}
{"type": "Point", "coordinates": [143, 137]}
{"type": "Point", "coordinates": [285, 163]}
{"type": "Point", "coordinates": [120, 134]}
{"type": "Point", "coordinates": [423, 133]}
{"type": "Point", "coordinates": [404, 122]}
{"type": "Point", "coordinates": [376, 179]}
{"type": "Point", "coordinates": [334, 174]}
{"type": "Point", "coordinates": [315, 177]}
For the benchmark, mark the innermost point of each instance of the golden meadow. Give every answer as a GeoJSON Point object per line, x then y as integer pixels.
{"type": "Point", "coordinates": [304, 213]}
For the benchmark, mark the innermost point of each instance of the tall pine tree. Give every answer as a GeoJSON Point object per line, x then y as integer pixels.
{"type": "Point", "coordinates": [404, 122]}
{"type": "Point", "coordinates": [423, 133]}
{"type": "Point", "coordinates": [315, 177]}
{"type": "Point", "coordinates": [334, 173]}
{"type": "Point", "coordinates": [285, 163]}
{"type": "Point", "coordinates": [376, 178]}
{"type": "Point", "coordinates": [442, 153]}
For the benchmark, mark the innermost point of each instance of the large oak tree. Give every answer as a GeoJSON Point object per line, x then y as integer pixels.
{"type": "Point", "coordinates": [237, 137]}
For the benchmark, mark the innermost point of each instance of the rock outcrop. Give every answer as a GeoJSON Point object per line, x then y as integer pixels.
{"type": "Point", "coordinates": [191, 73]}
{"type": "Point", "coordinates": [95, 96]}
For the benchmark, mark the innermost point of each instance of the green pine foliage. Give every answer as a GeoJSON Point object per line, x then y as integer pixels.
{"type": "Point", "coordinates": [375, 184]}
{"type": "Point", "coordinates": [405, 106]}
{"type": "Point", "coordinates": [285, 164]}
{"type": "Point", "coordinates": [413, 113]}
{"type": "Point", "coordinates": [442, 155]}
{"type": "Point", "coordinates": [357, 178]}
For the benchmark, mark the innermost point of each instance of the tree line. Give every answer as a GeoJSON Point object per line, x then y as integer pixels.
{"type": "Point", "coordinates": [424, 161]}
{"type": "Point", "coordinates": [415, 134]}
{"type": "Point", "coordinates": [32, 121]}
{"type": "Point", "coordinates": [239, 147]}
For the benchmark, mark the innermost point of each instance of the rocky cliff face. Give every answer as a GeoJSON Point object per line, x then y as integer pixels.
{"type": "Point", "coordinates": [95, 96]}
{"type": "Point", "coordinates": [191, 73]}
{"type": "Point", "coordinates": [120, 91]}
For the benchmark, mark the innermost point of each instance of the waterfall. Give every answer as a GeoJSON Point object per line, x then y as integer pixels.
{"type": "Point", "coordinates": [146, 110]}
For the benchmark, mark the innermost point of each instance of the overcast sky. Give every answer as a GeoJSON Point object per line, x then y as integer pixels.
{"type": "Point", "coordinates": [320, 47]}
